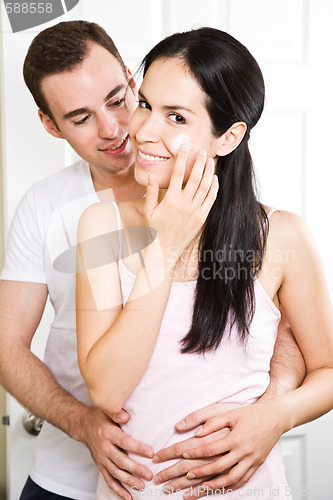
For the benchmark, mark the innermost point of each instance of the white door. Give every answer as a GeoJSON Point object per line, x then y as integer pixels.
{"type": "Point", "coordinates": [292, 41]}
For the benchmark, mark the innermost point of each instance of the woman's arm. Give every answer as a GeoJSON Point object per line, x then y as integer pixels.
{"type": "Point", "coordinates": [115, 343]}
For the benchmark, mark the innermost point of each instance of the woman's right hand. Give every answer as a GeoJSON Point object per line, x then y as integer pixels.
{"type": "Point", "coordinates": [180, 215]}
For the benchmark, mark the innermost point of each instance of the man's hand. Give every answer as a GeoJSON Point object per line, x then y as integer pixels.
{"type": "Point", "coordinates": [108, 445]}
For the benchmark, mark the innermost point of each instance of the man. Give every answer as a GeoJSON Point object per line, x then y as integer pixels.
{"type": "Point", "coordinates": [86, 96]}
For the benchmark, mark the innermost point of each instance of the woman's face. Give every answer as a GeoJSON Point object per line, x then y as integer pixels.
{"type": "Point", "coordinates": [171, 112]}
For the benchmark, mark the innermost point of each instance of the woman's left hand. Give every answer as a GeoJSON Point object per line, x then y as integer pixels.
{"type": "Point", "coordinates": [254, 431]}
{"type": "Point", "coordinates": [176, 474]}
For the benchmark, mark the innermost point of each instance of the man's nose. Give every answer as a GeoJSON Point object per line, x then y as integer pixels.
{"type": "Point", "coordinates": [107, 126]}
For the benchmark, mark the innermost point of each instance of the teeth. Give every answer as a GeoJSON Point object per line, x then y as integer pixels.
{"type": "Point", "coordinates": [151, 158]}
{"type": "Point", "coordinates": [118, 145]}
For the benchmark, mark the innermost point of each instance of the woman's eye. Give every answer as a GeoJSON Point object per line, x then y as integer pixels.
{"type": "Point", "coordinates": [143, 104]}
{"type": "Point", "coordinates": [82, 121]}
{"type": "Point", "coordinates": [175, 117]}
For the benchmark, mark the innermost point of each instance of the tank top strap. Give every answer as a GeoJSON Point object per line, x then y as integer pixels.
{"type": "Point", "coordinates": [119, 228]}
{"type": "Point", "coordinates": [270, 213]}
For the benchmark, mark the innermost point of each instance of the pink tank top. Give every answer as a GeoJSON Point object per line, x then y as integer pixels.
{"type": "Point", "coordinates": [176, 384]}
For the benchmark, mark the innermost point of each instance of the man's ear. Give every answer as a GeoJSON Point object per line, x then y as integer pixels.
{"type": "Point", "coordinates": [49, 125]}
{"type": "Point", "coordinates": [231, 138]}
{"type": "Point", "coordinates": [131, 80]}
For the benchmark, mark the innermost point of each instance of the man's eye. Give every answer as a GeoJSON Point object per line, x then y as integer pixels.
{"type": "Point", "coordinates": [118, 103]}
{"type": "Point", "coordinates": [175, 117]}
{"type": "Point", "coordinates": [82, 121]}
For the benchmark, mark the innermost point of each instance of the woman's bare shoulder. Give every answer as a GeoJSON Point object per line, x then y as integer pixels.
{"type": "Point", "coordinates": [106, 216]}
{"type": "Point", "coordinates": [284, 219]}
{"type": "Point", "coordinates": [288, 228]}
{"type": "Point", "coordinates": [97, 219]}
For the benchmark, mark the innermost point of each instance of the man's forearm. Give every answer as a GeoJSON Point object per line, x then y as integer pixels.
{"type": "Point", "coordinates": [29, 380]}
{"type": "Point", "coordinates": [287, 370]}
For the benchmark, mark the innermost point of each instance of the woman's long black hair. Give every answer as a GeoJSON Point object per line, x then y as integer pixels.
{"type": "Point", "coordinates": [233, 240]}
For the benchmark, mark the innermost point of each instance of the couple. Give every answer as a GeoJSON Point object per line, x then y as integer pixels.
{"type": "Point", "coordinates": [85, 95]}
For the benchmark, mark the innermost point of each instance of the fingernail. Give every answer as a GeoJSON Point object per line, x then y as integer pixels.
{"type": "Point", "coordinates": [186, 455]}
{"type": "Point", "coordinates": [184, 147]}
{"type": "Point", "coordinates": [202, 152]}
{"type": "Point", "coordinates": [210, 162]}
{"type": "Point", "coordinates": [181, 424]}
{"type": "Point", "coordinates": [190, 475]}
{"type": "Point", "coordinates": [147, 476]}
{"type": "Point", "coordinates": [198, 431]}
{"type": "Point", "coordinates": [157, 480]}
{"type": "Point", "coordinates": [150, 179]}
{"type": "Point", "coordinates": [168, 489]}
{"type": "Point", "coordinates": [149, 454]}
{"type": "Point", "coordinates": [156, 459]}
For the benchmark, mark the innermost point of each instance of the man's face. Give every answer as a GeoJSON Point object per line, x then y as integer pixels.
{"type": "Point", "coordinates": [92, 106]}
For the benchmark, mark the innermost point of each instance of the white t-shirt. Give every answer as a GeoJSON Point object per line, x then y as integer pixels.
{"type": "Point", "coordinates": [41, 249]}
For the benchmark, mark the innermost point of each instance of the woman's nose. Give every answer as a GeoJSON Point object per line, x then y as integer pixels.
{"type": "Point", "coordinates": [148, 130]}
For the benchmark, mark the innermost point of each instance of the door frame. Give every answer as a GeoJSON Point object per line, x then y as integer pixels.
{"type": "Point", "coordinates": [3, 447]}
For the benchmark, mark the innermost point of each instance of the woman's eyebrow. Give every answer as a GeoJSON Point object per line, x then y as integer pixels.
{"type": "Point", "coordinates": [169, 107]}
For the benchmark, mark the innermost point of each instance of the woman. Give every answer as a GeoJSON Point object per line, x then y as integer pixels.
{"type": "Point", "coordinates": [185, 312]}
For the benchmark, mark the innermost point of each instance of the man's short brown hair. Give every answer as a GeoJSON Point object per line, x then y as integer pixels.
{"type": "Point", "coordinates": [61, 48]}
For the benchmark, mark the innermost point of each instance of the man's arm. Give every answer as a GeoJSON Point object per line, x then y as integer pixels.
{"type": "Point", "coordinates": [287, 371]}
{"type": "Point", "coordinates": [29, 380]}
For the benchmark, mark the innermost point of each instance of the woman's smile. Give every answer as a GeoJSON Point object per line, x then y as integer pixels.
{"type": "Point", "coordinates": [146, 159]}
